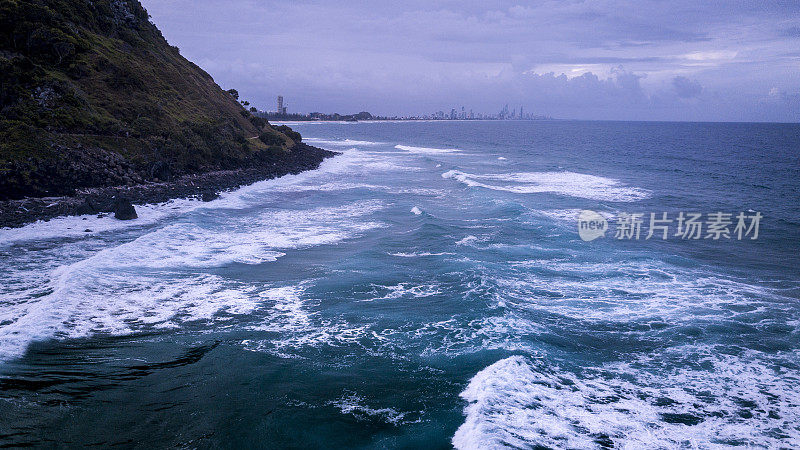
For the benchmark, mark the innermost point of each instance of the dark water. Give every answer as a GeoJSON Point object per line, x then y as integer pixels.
{"type": "Point", "coordinates": [427, 288]}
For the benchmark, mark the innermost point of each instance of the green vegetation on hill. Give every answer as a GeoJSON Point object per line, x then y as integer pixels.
{"type": "Point", "coordinates": [97, 78]}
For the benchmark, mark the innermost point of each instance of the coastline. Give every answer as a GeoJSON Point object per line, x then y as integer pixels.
{"type": "Point", "coordinates": [207, 185]}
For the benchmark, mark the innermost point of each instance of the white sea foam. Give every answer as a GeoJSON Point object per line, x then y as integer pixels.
{"type": "Point", "coordinates": [368, 162]}
{"type": "Point", "coordinates": [337, 173]}
{"type": "Point", "coordinates": [563, 183]}
{"type": "Point", "coordinates": [144, 282]}
{"type": "Point", "coordinates": [289, 313]}
{"type": "Point", "coordinates": [457, 336]}
{"type": "Point", "coordinates": [341, 143]}
{"type": "Point", "coordinates": [250, 240]}
{"type": "Point", "coordinates": [419, 254]}
{"type": "Point", "coordinates": [416, 211]}
{"type": "Point", "coordinates": [292, 317]}
{"type": "Point", "coordinates": [404, 290]}
{"type": "Point", "coordinates": [719, 401]}
{"type": "Point", "coordinates": [570, 216]}
{"type": "Point", "coordinates": [86, 300]}
{"type": "Point", "coordinates": [692, 396]}
{"type": "Point", "coordinates": [75, 226]}
{"type": "Point", "coordinates": [426, 150]}
{"type": "Point", "coordinates": [468, 240]}
{"type": "Point", "coordinates": [640, 291]}
{"type": "Point", "coordinates": [354, 405]}
{"type": "Point", "coordinates": [561, 215]}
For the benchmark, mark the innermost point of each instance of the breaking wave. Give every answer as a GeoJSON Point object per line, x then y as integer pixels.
{"type": "Point", "coordinates": [564, 183]}
{"type": "Point", "coordinates": [707, 400]}
{"type": "Point", "coordinates": [426, 150]}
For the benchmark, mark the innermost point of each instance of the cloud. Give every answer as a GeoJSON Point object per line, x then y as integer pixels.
{"type": "Point", "coordinates": [686, 88]}
{"type": "Point", "coordinates": [791, 32]}
{"type": "Point", "coordinates": [420, 56]}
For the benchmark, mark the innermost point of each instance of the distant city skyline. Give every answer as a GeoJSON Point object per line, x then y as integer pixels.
{"type": "Point", "coordinates": [454, 114]}
{"type": "Point", "coordinates": [591, 59]}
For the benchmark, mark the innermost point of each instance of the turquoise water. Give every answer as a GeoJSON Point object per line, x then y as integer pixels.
{"type": "Point", "coordinates": [426, 288]}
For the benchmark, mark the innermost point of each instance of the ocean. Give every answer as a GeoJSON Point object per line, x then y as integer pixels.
{"type": "Point", "coordinates": [427, 288]}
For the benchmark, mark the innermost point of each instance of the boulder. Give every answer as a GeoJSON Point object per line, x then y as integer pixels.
{"type": "Point", "coordinates": [209, 196]}
{"type": "Point", "coordinates": [87, 207]}
{"type": "Point", "coordinates": [124, 210]}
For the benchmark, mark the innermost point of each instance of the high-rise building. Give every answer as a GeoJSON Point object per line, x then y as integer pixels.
{"type": "Point", "coordinates": [504, 112]}
{"type": "Point", "coordinates": [281, 108]}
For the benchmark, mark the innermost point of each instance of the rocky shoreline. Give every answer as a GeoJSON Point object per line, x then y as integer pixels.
{"type": "Point", "coordinates": [206, 186]}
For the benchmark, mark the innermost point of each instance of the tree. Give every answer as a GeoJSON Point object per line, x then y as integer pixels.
{"type": "Point", "coordinates": [294, 135]}
{"type": "Point", "coordinates": [234, 93]}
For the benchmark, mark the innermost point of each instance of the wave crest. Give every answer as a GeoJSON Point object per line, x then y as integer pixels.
{"type": "Point", "coordinates": [564, 183]}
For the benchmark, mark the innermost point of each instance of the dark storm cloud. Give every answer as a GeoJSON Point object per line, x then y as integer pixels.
{"type": "Point", "coordinates": [420, 56]}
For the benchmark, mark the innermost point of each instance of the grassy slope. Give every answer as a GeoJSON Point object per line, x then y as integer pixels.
{"type": "Point", "coordinates": [99, 76]}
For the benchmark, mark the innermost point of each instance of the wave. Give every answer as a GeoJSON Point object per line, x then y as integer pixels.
{"type": "Point", "coordinates": [354, 405]}
{"type": "Point", "coordinates": [561, 215]}
{"type": "Point", "coordinates": [244, 197]}
{"type": "Point", "coordinates": [426, 150]}
{"type": "Point", "coordinates": [564, 183]}
{"type": "Point", "coordinates": [639, 292]}
{"type": "Point", "coordinates": [404, 290]}
{"type": "Point", "coordinates": [419, 254]}
{"type": "Point", "coordinates": [468, 240]}
{"type": "Point", "coordinates": [707, 400]}
{"type": "Point", "coordinates": [152, 214]}
{"type": "Point", "coordinates": [76, 226]}
{"type": "Point", "coordinates": [151, 281]}
{"type": "Point", "coordinates": [343, 142]}
{"type": "Point", "coordinates": [289, 313]}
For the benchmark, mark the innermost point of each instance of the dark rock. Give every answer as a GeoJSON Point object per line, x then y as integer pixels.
{"type": "Point", "coordinates": [124, 210]}
{"type": "Point", "coordinates": [87, 207]}
{"type": "Point", "coordinates": [15, 213]}
{"type": "Point", "coordinates": [160, 171]}
{"type": "Point", "coordinates": [209, 196]}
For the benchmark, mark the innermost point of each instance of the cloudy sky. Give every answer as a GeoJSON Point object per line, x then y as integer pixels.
{"type": "Point", "coordinates": [591, 59]}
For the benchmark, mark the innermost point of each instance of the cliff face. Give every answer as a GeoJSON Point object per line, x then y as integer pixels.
{"type": "Point", "coordinates": [91, 94]}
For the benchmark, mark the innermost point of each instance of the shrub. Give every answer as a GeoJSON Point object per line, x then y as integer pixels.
{"type": "Point", "coordinates": [258, 122]}
{"type": "Point", "coordinates": [294, 135]}
{"type": "Point", "coordinates": [271, 139]}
